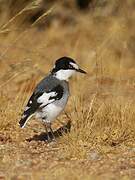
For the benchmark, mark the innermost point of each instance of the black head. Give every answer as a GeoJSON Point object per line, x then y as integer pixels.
{"type": "Point", "coordinates": [66, 63]}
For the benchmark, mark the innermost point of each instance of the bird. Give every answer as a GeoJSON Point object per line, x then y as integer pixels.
{"type": "Point", "coordinates": [51, 94]}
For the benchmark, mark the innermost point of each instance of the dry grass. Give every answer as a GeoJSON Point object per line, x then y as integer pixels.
{"type": "Point", "coordinates": [101, 109]}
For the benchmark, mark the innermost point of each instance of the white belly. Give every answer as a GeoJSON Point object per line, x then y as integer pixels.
{"type": "Point", "coordinates": [49, 113]}
{"type": "Point", "coordinates": [52, 110]}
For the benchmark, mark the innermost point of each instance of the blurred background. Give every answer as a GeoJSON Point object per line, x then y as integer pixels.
{"type": "Point", "coordinates": [97, 33]}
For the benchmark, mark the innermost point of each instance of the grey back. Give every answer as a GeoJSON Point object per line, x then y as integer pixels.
{"type": "Point", "coordinates": [49, 82]}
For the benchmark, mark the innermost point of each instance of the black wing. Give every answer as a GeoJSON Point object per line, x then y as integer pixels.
{"type": "Point", "coordinates": [59, 92]}
{"type": "Point", "coordinates": [33, 105]}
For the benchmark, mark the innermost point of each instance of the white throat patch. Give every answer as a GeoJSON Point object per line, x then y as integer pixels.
{"type": "Point", "coordinates": [64, 74]}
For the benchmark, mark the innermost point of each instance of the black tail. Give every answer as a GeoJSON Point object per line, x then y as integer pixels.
{"type": "Point", "coordinates": [23, 121]}
{"type": "Point", "coordinates": [30, 109]}
{"type": "Point", "coordinates": [25, 117]}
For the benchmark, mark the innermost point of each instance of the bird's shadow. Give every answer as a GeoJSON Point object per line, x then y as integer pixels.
{"type": "Point", "coordinates": [59, 132]}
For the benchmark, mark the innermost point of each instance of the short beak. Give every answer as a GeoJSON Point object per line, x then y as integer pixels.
{"type": "Point", "coordinates": [81, 71]}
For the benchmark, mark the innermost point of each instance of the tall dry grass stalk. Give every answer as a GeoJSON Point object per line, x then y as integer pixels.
{"type": "Point", "coordinates": [108, 124]}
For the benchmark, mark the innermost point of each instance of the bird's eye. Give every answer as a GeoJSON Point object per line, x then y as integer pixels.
{"type": "Point", "coordinates": [70, 66]}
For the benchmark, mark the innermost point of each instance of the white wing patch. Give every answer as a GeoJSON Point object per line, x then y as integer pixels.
{"type": "Point", "coordinates": [44, 99]}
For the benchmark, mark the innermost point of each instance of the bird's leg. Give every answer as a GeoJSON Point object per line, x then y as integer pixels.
{"type": "Point", "coordinates": [46, 128]}
{"type": "Point", "coordinates": [49, 126]}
